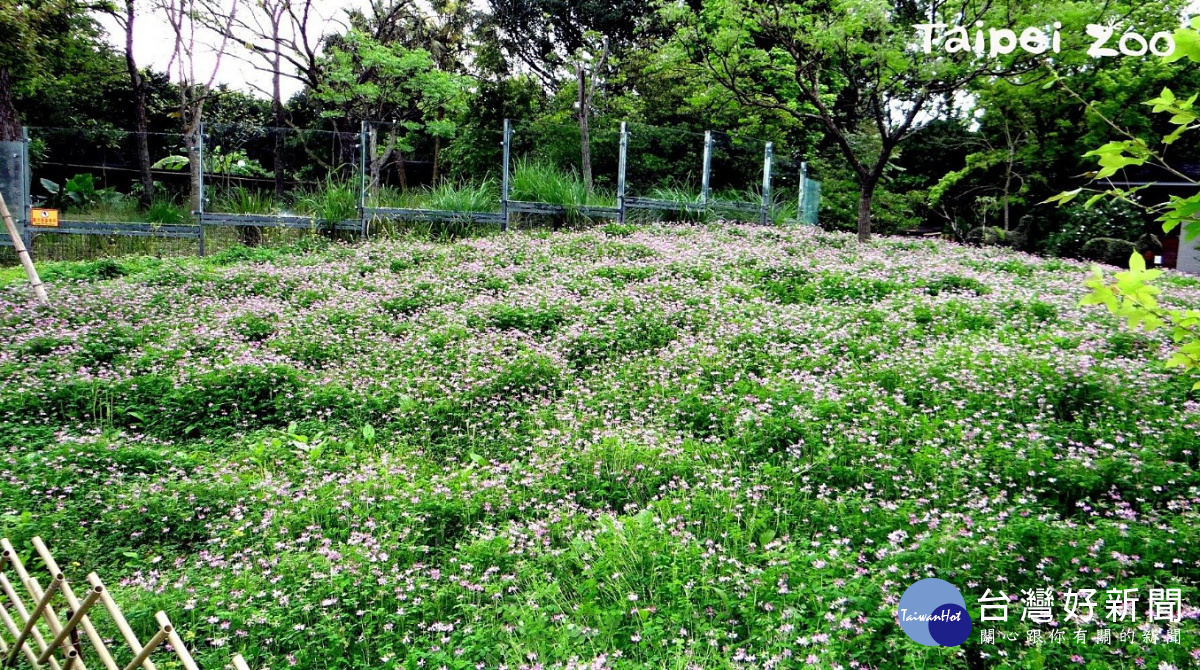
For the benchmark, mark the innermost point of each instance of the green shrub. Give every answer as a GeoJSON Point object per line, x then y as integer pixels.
{"type": "Point", "coordinates": [242, 200]}
{"type": "Point", "coordinates": [98, 270]}
{"type": "Point", "coordinates": [993, 236]}
{"type": "Point", "coordinates": [404, 305]}
{"type": "Point", "coordinates": [334, 201]}
{"type": "Point", "coordinates": [1063, 231]}
{"type": "Point", "coordinates": [956, 284]}
{"type": "Point", "coordinates": [41, 345]}
{"type": "Point", "coordinates": [165, 211]}
{"type": "Point", "coordinates": [846, 288]}
{"type": "Point", "coordinates": [786, 285]}
{"type": "Point", "coordinates": [240, 254]}
{"type": "Point", "coordinates": [619, 230]}
{"type": "Point", "coordinates": [254, 327]}
{"type": "Point", "coordinates": [630, 334]}
{"type": "Point", "coordinates": [104, 346]}
{"type": "Point", "coordinates": [543, 319]}
{"type": "Point", "coordinates": [1108, 250]}
{"type": "Point", "coordinates": [624, 275]}
{"type": "Point", "coordinates": [314, 353]}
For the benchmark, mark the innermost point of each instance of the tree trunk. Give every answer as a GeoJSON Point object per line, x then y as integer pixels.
{"type": "Point", "coordinates": [401, 172]}
{"type": "Point", "coordinates": [140, 118]}
{"type": "Point", "coordinates": [1006, 207]}
{"type": "Point", "coordinates": [191, 140]}
{"type": "Point", "coordinates": [143, 143]}
{"type": "Point", "coordinates": [277, 113]}
{"type": "Point", "coordinates": [584, 134]}
{"type": "Point", "coordinates": [10, 120]}
{"type": "Point", "coordinates": [437, 167]}
{"type": "Point", "coordinates": [1008, 175]}
{"type": "Point", "coordinates": [374, 162]}
{"type": "Point", "coordinates": [866, 191]}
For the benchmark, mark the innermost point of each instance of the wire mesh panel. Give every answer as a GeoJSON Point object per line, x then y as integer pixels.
{"type": "Point", "coordinates": [665, 173]}
{"type": "Point", "coordinates": [413, 176]}
{"type": "Point", "coordinates": [266, 184]}
{"type": "Point", "coordinates": [258, 170]}
{"type": "Point", "coordinates": [548, 178]}
{"type": "Point", "coordinates": [116, 192]}
{"type": "Point", "coordinates": [13, 177]}
{"type": "Point", "coordinates": [736, 177]}
{"type": "Point", "coordinates": [109, 175]}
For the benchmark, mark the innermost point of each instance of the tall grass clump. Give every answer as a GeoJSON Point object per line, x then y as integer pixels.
{"type": "Point", "coordinates": [242, 200]}
{"type": "Point", "coordinates": [114, 207]}
{"type": "Point", "coordinates": [679, 194]}
{"type": "Point", "coordinates": [536, 181]}
{"type": "Point", "coordinates": [166, 211]}
{"type": "Point", "coordinates": [453, 196]}
{"type": "Point", "coordinates": [334, 201]}
{"type": "Point", "coordinates": [463, 196]}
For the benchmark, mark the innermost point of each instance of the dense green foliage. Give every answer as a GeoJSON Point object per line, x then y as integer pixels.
{"type": "Point", "coordinates": [982, 151]}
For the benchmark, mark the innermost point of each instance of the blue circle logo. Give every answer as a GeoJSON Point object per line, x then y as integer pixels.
{"type": "Point", "coordinates": [932, 612]}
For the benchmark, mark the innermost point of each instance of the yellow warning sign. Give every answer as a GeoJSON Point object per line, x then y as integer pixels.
{"type": "Point", "coordinates": [46, 218]}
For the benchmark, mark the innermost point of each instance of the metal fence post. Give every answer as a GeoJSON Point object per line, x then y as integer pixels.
{"type": "Point", "coordinates": [704, 179]}
{"type": "Point", "coordinates": [27, 183]}
{"type": "Point", "coordinates": [814, 202]}
{"type": "Point", "coordinates": [362, 177]}
{"type": "Point", "coordinates": [766, 191]}
{"type": "Point", "coordinates": [200, 153]}
{"type": "Point", "coordinates": [506, 143]}
{"type": "Point", "coordinates": [623, 150]}
{"type": "Point", "coordinates": [800, 203]}
{"type": "Point", "coordinates": [200, 213]}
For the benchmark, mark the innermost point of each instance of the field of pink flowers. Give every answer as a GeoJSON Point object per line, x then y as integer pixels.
{"type": "Point", "coordinates": [657, 447]}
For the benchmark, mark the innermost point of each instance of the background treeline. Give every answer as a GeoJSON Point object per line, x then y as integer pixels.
{"type": "Point", "coordinates": [901, 139]}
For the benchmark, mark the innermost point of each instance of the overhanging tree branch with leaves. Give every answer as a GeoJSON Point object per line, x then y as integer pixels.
{"type": "Point", "coordinates": [853, 68]}
{"type": "Point", "coordinates": [1132, 294]}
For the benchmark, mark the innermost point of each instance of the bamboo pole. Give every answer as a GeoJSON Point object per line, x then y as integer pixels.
{"type": "Point", "coordinates": [144, 654]}
{"type": "Point", "coordinates": [86, 605]}
{"type": "Point", "coordinates": [14, 631]}
{"type": "Point", "coordinates": [39, 291]}
{"type": "Point", "coordinates": [78, 619]}
{"type": "Point", "coordinates": [73, 602]}
{"type": "Point", "coordinates": [176, 642]}
{"type": "Point", "coordinates": [19, 608]}
{"type": "Point", "coordinates": [31, 585]}
{"type": "Point", "coordinates": [122, 625]}
{"type": "Point", "coordinates": [34, 616]}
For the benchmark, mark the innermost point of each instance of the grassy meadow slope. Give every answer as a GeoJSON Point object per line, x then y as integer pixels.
{"type": "Point", "coordinates": [668, 446]}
